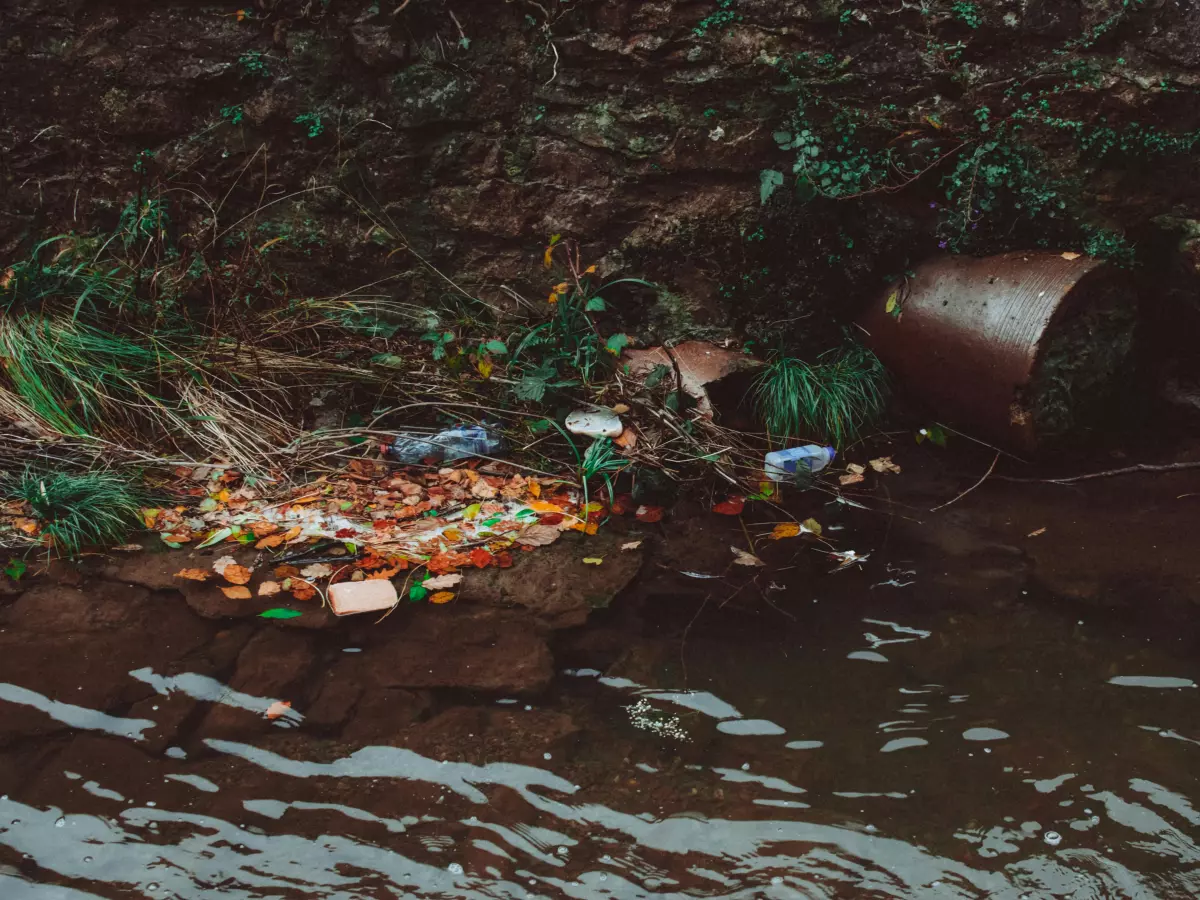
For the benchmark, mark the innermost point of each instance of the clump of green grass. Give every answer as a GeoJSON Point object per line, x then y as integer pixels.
{"type": "Point", "coordinates": [77, 511]}
{"type": "Point", "coordinates": [831, 399]}
{"type": "Point", "coordinates": [74, 376]}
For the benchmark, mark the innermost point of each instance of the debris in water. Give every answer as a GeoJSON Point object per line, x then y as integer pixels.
{"type": "Point", "coordinates": [884, 464]}
{"type": "Point", "coordinates": [460, 442]}
{"type": "Point", "coordinates": [1040, 531]}
{"type": "Point", "coordinates": [647, 717]}
{"type": "Point", "coordinates": [1053, 838]}
{"type": "Point", "coordinates": [278, 709]}
{"type": "Point", "coordinates": [742, 558]}
{"type": "Point", "coordinates": [848, 558]}
{"type": "Point", "coordinates": [696, 574]}
{"type": "Point", "coordinates": [782, 465]}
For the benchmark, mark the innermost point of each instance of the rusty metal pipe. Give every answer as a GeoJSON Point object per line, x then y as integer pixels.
{"type": "Point", "coordinates": [970, 332]}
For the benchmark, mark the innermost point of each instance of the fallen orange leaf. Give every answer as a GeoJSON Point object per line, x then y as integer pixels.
{"type": "Point", "coordinates": [237, 574]}
{"type": "Point", "coordinates": [627, 439]}
{"type": "Point", "coordinates": [543, 506]}
{"type": "Point", "coordinates": [649, 514]}
{"type": "Point", "coordinates": [535, 489]}
{"type": "Point", "coordinates": [237, 592]}
{"type": "Point", "coordinates": [302, 590]}
{"type": "Point", "coordinates": [785, 530]}
{"type": "Point", "coordinates": [286, 571]}
{"type": "Point", "coordinates": [268, 589]}
{"type": "Point", "coordinates": [442, 597]}
{"type": "Point", "coordinates": [194, 574]}
{"type": "Point", "coordinates": [262, 528]}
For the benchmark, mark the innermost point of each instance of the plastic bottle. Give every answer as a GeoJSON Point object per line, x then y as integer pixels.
{"type": "Point", "coordinates": [458, 442]}
{"type": "Point", "coordinates": [783, 465]}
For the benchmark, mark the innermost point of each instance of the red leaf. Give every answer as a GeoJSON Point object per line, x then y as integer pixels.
{"type": "Point", "coordinates": [622, 504]}
{"type": "Point", "coordinates": [731, 506]}
{"type": "Point", "coordinates": [345, 533]}
{"type": "Point", "coordinates": [504, 559]}
{"type": "Point", "coordinates": [480, 558]}
{"type": "Point", "coordinates": [649, 514]}
{"type": "Point", "coordinates": [551, 519]}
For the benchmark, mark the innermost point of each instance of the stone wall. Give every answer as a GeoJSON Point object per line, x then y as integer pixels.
{"type": "Point", "coordinates": [469, 131]}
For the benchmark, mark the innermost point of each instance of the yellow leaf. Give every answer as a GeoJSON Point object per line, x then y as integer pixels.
{"type": "Point", "coordinates": [535, 489]}
{"type": "Point", "coordinates": [274, 240]}
{"type": "Point", "coordinates": [547, 257]}
{"type": "Point", "coordinates": [553, 298]}
{"type": "Point", "coordinates": [892, 300]}
{"type": "Point", "coordinates": [593, 507]}
{"type": "Point", "coordinates": [785, 530]}
{"type": "Point", "coordinates": [194, 574]}
{"type": "Point", "coordinates": [560, 288]}
{"type": "Point", "coordinates": [590, 270]}
{"type": "Point", "coordinates": [149, 516]}
{"type": "Point", "coordinates": [471, 511]}
{"type": "Point", "coordinates": [812, 525]}
{"type": "Point", "coordinates": [442, 597]}
{"type": "Point", "coordinates": [485, 367]}
{"type": "Point", "coordinates": [223, 496]}
{"type": "Point", "coordinates": [543, 507]}
{"type": "Point", "coordinates": [452, 534]}
{"type": "Point", "coordinates": [593, 560]}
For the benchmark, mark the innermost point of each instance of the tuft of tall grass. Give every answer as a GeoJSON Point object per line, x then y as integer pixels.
{"type": "Point", "coordinates": [78, 511]}
{"type": "Point", "coordinates": [831, 399]}
{"type": "Point", "coordinates": [74, 377]}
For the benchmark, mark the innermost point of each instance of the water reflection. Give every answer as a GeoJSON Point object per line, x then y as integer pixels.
{"type": "Point", "coordinates": [818, 777]}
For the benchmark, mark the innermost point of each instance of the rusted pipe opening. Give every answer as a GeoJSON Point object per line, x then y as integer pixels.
{"type": "Point", "coordinates": [1024, 349]}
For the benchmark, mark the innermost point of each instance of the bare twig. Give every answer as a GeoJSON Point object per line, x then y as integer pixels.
{"type": "Point", "coordinates": [995, 459]}
{"type": "Point", "coordinates": [1109, 473]}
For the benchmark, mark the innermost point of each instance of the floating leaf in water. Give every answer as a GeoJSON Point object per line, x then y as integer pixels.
{"type": "Point", "coordinates": [416, 593]}
{"type": "Point", "coordinates": [236, 574]}
{"type": "Point", "coordinates": [742, 558]}
{"type": "Point", "coordinates": [194, 574]}
{"type": "Point", "coordinates": [441, 582]}
{"type": "Point", "coordinates": [593, 560]}
{"type": "Point", "coordinates": [885, 464]}
{"type": "Point", "coordinates": [632, 545]}
{"type": "Point", "coordinates": [442, 597]}
{"type": "Point", "coordinates": [317, 570]}
{"type": "Point", "coordinates": [236, 592]}
{"type": "Point", "coordinates": [279, 613]}
{"type": "Point", "coordinates": [268, 589]}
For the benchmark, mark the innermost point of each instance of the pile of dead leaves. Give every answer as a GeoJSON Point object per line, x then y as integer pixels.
{"type": "Point", "coordinates": [374, 522]}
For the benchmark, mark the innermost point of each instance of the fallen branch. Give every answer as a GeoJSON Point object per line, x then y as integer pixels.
{"type": "Point", "coordinates": [1108, 473]}
{"type": "Point", "coordinates": [995, 459]}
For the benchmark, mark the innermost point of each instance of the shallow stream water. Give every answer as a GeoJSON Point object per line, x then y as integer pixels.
{"type": "Point", "coordinates": [877, 733]}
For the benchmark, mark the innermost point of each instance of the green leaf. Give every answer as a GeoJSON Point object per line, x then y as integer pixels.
{"type": "Point", "coordinates": [417, 593]}
{"type": "Point", "coordinates": [540, 426]}
{"type": "Point", "coordinates": [768, 181]}
{"type": "Point", "coordinates": [15, 569]}
{"type": "Point", "coordinates": [617, 343]}
{"type": "Point", "coordinates": [280, 613]}
{"type": "Point", "coordinates": [388, 360]}
{"type": "Point", "coordinates": [351, 547]}
{"type": "Point", "coordinates": [530, 388]}
{"type": "Point", "coordinates": [657, 374]}
{"type": "Point", "coordinates": [215, 537]}
{"type": "Point", "coordinates": [499, 348]}
{"type": "Point", "coordinates": [595, 304]}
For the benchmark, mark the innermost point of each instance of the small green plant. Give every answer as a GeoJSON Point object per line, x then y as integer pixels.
{"type": "Point", "coordinates": [142, 160]}
{"type": "Point", "coordinates": [831, 399]}
{"type": "Point", "coordinates": [313, 121]}
{"type": "Point", "coordinates": [233, 114]}
{"type": "Point", "coordinates": [602, 459]}
{"type": "Point", "coordinates": [441, 340]}
{"type": "Point", "coordinates": [77, 511]}
{"type": "Point", "coordinates": [16, 568]}
{"type": "Point", "coordinates": [722, 18]}
{"type": "Point", "coordinates": [254, 63]}
{"type": "Point", "coordinates": [967, 13]}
